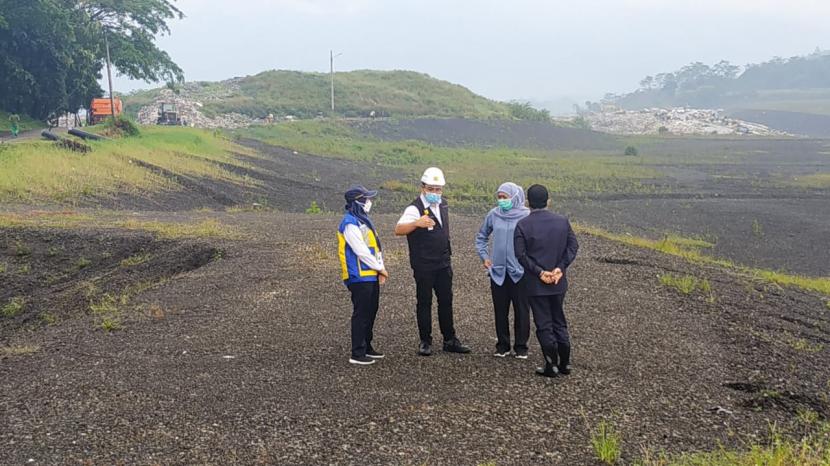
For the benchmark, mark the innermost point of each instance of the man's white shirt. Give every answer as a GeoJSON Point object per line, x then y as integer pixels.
{"type": "Point", "coordinates": [412, 213]}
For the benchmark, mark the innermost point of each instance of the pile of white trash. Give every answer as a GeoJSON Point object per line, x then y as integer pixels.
{"type": "Point", "coordinates": [678, 120]}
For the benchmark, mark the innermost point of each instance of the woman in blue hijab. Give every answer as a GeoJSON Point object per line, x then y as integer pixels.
{"type": "Point", "coordinates": [361, 263]}
{"type": "Point", "coordinates": [506, 274]}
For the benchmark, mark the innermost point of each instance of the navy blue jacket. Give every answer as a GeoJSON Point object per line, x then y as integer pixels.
{"type": "Point", "coordinates": [544, 241]}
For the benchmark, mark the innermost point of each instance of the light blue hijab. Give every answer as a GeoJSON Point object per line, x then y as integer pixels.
{"type": "Point", "coordinates": [517, 195]}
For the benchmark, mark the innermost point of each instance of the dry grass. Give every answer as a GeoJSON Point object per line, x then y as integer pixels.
{"type": "Point", "coordinates": [41, 171]}
{"type": "Point", "coordinates": [690, 250]}
{"type": "Point", "coordinates": [209, 228]}
{"type": "Point", "coordinates": [18, 350]}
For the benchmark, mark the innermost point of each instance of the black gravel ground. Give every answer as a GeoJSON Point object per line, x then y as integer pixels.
{"type": "Point", "coordinates": [244, 360]}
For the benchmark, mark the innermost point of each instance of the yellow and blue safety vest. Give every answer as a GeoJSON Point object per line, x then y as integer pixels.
{"type": "Point", "coordinates": [353, 271]}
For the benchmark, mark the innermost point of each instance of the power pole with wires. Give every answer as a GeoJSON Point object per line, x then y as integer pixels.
{"type": "Point", "coordinates": [109, 77]}
{"type": "Point", "coordinates": [332, 56]}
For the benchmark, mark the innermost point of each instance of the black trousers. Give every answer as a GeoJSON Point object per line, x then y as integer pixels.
{"type": "Point", "coordinates": [426, 282]}
{"type": "Point", "coordinates": [503, 295]}
{"type": "Point", "coordinates": [551, 326]}
{"type": "Point", "coordinates": [365, 301]}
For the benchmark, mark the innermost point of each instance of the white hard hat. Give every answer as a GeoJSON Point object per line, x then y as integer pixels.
{"type": "Point", "coordinates": [433, 176]}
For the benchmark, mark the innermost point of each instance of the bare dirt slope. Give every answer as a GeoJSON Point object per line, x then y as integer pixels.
{"type": "Point", "coordinates": [247, 362]}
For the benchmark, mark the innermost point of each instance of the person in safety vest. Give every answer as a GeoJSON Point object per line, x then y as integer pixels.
{"type": "Point", "coordinates": [363, 272]}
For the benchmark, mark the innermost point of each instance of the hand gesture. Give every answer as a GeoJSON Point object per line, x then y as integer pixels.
{"type": "Point", "coordinates": [488, 263]}
{"type": "Point", "coordinates": [425, 222]}
{"type": "Point", "coordinates": [383, 275]}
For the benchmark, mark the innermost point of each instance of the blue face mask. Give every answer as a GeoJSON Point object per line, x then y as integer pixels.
{"type": "Point", "coordinates": [433, 198]}
{"type": "Point", "coordinates": [505, 204]}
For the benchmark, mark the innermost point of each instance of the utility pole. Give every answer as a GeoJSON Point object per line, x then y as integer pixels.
{"type": "Point", "coordinates": [332, 56]}
{"type": "Point", "coordinates": [109, 76]}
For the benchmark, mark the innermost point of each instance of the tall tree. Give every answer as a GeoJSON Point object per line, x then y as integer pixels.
{"type": "Point", "coordinates": [131, 28]}
{"type": "Point", "coordinates": [52, 51]}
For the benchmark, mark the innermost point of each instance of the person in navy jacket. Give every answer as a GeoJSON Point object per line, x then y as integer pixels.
{"type": "Point", "coordinates": [546, 245]}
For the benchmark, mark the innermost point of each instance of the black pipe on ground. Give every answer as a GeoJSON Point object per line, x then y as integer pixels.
{"type": "Point", "coordinates": [84, 135]}
{"type": "Point", "coordinates": [46, 134]}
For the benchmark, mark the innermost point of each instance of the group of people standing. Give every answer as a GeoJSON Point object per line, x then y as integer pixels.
{"type": "Point", "coordinates": [526, 250]}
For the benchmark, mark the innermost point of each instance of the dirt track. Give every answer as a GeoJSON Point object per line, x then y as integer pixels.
{"type": "Point", "coordinates": [247, 362]}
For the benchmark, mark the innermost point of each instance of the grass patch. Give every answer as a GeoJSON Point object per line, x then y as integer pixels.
{"type": "Point", "coordinates": [18, 350]}
{"type": "Point", "coordinates": [111, 323]}
{"type": "Point", "coordinates": [606, 443]}
{"type": "Point", "coordinates": [83, 263]}
{"type": "Point", "coordinates": [38, 170]}
{"type": "Point", "coordinates": [14, 307]}
{"type": "Point", "coordinates": [817, 181]}
{"type": "Point", "coordinates": [134, 260]}
{"type": "Point", "coordinates": [802, 344]}
{"type": "Point", "coordinates": [811, 450]}
{"type": "Point", "coordinates": [209, 228]}
{"type": "Point", "coordinates": [682, 249]}
{"type": "Point", "coordinates": [687, 284]}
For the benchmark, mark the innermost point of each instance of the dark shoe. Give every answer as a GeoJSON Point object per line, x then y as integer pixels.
{"type": "Point", "coordinates": [361, 361]}
{"type": "Point", "coordinates": [372, 353]}
{"type": "Point", "coordinates": [551, 355]}
{"type": "Point", "coordinates": [547, 371]}
{"type": "Point", "coordinates": [455, 346]}
{"type": "Point", "coordinates": [501, 354]}
{"type": "Point", "coordinates": [425, 349]}
{"type": "Point", "coordinates": [522, 355]}
{"type": "Point", "coordinates": [564, 359]}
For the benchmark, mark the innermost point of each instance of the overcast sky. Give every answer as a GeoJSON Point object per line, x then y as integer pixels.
{"type": "Point", "coordinates": [508, 49]}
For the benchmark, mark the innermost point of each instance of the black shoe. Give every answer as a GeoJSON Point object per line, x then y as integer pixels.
{"type": "Point", "coordinates": [551, 355]}
{"type": "Point", "coordinates": [361, 361]}
{"type": "Point", "coordinates": [455, 346]}
{"type": "Point", "coordinates": [547, 371]}
{"type": "Point", "coordinates": [425, 349]}
{"type": "Point", "coordinates": [564, 359]}
{"type": "Point", "coordinates": [374, 354]}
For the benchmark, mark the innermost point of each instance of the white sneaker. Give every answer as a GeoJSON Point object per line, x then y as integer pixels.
{"type": "Point", "coordinates": [501, 355]}
{"type": "Point", "coordinates": [364, 361]}
{"type": "Point", "coordinates": [521, 355]}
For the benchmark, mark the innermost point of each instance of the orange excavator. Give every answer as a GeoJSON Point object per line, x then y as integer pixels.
{"type": "Point", "coordinates": [101, 109]}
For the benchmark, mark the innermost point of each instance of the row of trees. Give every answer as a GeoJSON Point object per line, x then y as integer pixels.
{"type": "Point", "coordinates": [52, 52]}
{"type": "Point", "coordinates": [699, 84]}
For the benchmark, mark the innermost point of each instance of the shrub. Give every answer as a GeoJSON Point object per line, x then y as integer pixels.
{"type": "Point", "coordinates": [631, 151]}
{"type": "Point", "coordinates": [606, 443]}
{"type": "Point", "coordinates": [13, 308]}
{"type": "Point", "coordinates": [314, 208]}
{"type": "Point", "coordinates": [121, 127]}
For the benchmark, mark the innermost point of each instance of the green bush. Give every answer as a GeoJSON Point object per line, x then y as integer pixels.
{"type": "Point", "coordinates": [314, 208]}
{"type": "Point", "coordinates": [631, 151]}
{"type": "Point", "coordinates": [121, 127]}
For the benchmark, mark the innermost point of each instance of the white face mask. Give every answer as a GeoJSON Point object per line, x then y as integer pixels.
{"type": "Point", "coordinates": [367, 206]}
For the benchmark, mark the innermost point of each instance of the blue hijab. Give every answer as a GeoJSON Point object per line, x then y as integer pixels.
{"type": "Point", "coordinates": [355, 198]}
{"type": "Point", "coordinates": [517, 195]}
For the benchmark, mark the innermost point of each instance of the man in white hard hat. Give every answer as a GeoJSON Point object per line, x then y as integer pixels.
{"type": "Point", "coordinates": [425, 223]}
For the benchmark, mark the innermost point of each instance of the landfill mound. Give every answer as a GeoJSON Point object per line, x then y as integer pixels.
{"type": "Point", "coordinates": [189, 107]}
{"type": "Point", "coordinates": [675, 121]}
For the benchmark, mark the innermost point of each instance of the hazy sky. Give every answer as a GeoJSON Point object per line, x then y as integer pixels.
{"type": "Point", "coordinates": [509, 49]}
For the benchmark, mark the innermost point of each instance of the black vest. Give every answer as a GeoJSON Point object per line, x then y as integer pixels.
{"type": "Point", "coordinates": [430, 249]}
